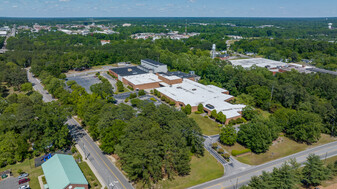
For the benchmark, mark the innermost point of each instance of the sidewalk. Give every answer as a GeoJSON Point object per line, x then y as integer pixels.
{"type": "Point", "coordinates": [91, 166]}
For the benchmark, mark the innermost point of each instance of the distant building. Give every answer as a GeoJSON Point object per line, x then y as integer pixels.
{"type": "Point", "coordinates": [62, 172]}
{"type": "Point", "coordinates": [3, 33]}
{"type": "Point", "coordinates": [330, 26]}
{"type": "Point", "coordinates": [153, 66]}
{"type": "Point", "coordinates": [104, 42]}
{"type": "Point", "coordinates": [126, 25]}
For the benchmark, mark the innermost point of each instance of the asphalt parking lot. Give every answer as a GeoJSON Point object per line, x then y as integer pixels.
{"type": "Point", "coordinates": [85, 81]}
{"type": "Point", "coordinates": [11, 183]}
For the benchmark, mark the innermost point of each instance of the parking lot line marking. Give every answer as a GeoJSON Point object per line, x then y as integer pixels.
{"type": "Point", "coordinates": [104, 162]}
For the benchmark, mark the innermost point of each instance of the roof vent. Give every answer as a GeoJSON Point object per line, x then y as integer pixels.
{"type": "Point", "coordinates": [194, 89]}
{"type": "Point", "coordinates": [129, 70]}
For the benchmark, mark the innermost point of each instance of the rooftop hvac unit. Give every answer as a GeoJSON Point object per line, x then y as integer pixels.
{"type": "Point", "coordinates": [129, 70]}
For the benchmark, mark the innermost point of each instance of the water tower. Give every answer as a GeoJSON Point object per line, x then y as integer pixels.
{"type": "Point", "coordinates": [213, 52]}
{"type": "Point", "coordinates": [330, 26]}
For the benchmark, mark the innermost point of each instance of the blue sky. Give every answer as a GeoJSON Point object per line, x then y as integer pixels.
{"type": "Point", "coordinates": [168, 8]}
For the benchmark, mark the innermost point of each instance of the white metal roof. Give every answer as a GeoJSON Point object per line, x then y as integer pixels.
{"type": "Point", "coordinates": [193, 93]}
{"type": "Point", "coordinates": [260, 62]}
{"type": "Point", "coordinates": [142, 79]}
{"type": "Point", "coordinates": [170, 77]}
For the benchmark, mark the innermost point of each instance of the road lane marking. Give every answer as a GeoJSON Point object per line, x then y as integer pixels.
{"type": "Point", "coordinates": [104, 162]}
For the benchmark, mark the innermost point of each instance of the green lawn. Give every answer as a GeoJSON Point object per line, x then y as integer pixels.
{"type": "Point", "coordinates": [280, 149]}
{"type": "Point", "coordinates": [208, 126]}
{"type": "Point", "coordinates": [89, 175]}
{"type": "Point", "coordinates": [203, 169]}
{"type": "Point", "coordinates": [28, 167]}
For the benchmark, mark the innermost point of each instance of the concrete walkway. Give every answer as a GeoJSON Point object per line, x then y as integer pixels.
{"type": "Point", "coordinates": [40, 181]}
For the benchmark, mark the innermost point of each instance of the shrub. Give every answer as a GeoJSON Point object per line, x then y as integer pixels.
{"type": "Point", "coordinates": [133, 95]}
{"type": "Point", "coordinates": [220, 151]}
{"type": "Point", "coordinates": [153, 99]}
{"type": "Point", "coordinates": [239, 152]}
{"type": "Point", "coordinates": [198, 112]}
{"type": "Point", "coordinates": [151, 91]}
{"type": "Point", "coordinates": [126, 100]}
{"type": "Point", "coordinates": [98, 74]}
{"type": "Point", "coordinates": [20, 171]}
{"type": "Point", "coordinates": [172, 103]}
{"type": "Point", "coordinates": [214, 145]}
{"type": "Point", "coordinates": [206, 116]}
{"type": "Point", "coordinates": [226, 156]}
{"type": "Point", "coordinates": [141, 93]}
{"type": "Point", "coordinates": [129, 87]}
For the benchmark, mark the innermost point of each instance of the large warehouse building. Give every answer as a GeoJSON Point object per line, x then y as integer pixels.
{"type": "Point", "coordinates": [210, 96]}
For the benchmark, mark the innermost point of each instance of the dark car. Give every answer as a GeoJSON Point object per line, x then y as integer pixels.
{"type": "Point", "coordinates": [24, 180]}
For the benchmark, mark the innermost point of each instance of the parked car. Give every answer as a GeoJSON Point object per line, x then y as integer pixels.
{"type": "Point", "coordinates": [24, 180]}
{"type": "Point", "coordinates": [25, 187]}
{"type": "Point", "coordinates": [23, 175]}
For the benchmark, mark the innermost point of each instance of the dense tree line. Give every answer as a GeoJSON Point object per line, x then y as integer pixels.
{"type": "Point", "coordinates": [322, 53]}
{"type": "Point", "coordinates": [290, 175]}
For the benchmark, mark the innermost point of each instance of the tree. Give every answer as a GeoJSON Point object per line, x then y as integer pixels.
{"type": "Point", "coordinates": [200, 108]}
{"type": "Point", "coordinates": [214, 115]}
{"type": "Point", "coordinates": [120, 86]}
{"type": "Point", "coordinates": [27, 87]}
{"type": "Point", "coordinates": [141, 93]}
{"type": "Point", "coordinates": [221, 117]}
{"type": "Point", "coordinates": [228, 135]}
{"type": "Point", "coordinates": [188, 109]}
{"type": "Point", "coordinates": [314, 171]}
{"type": "Point", "coordinates": [249, 112]}
{"type": "Point", "coordinates": [257, 135]}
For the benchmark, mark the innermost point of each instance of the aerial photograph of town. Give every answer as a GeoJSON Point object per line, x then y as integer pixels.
{"type": "Point", "coordinates": [168, 94]}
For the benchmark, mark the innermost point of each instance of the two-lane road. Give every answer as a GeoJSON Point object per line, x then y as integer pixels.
{"type": "Point", "coordinates": [109, 173]}
{"type": "Point", "coordinates": [236, 180]}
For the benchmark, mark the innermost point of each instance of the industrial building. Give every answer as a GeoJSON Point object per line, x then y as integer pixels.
{"type": "Point", "coordinates": [142, 81]}
{"type": "Point", "coordinates": [153, 66]}
{"type": "Point", "coordinates": [259, 62]}
{"type": "Point", "coordinates": [210, 96]}
{"type": "Point", "coordinates": [62, 172]}
{"type": "Point", "coordinates": [126, 71]}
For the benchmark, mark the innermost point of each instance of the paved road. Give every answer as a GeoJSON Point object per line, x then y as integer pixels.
{"type": "Point", "coordinates": [111, 80]}
{"type": "Point", "coordinates": [236, 180]}
{"type": "Point", "coordinates": [38, 87]}
{"type": "Point", "coordinates": [106, 170]}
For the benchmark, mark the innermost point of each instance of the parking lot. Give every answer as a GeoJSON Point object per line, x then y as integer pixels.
{"type": "Point", "coordinates": [85, 80]}
{"type": "Point", "coordinates": [11, 183]}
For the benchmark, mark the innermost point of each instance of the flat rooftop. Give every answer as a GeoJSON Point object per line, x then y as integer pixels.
{"type": "Point", "coordinates": [193, 93]}
{"type": "Point", "coordinates": [260, 62]}
{"type": "Point", "coordinates": [154, 62]}
{"type": "Point", "coordinates": [169, 77]}
{"type": "Point", "coordinates": [178, 74]}
{"type": "Point", "coordinates": [128, 71]}
{"type": "Point", "coordinates": [143, 79]}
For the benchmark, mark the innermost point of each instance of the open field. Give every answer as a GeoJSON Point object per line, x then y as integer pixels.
{"type": "Point", "coordinates": [203, 169]}
{"type": "Point", "coordinates": [279, 149]}
{"type": "Point", "coordinates": [26, 166]}
{"type": "Point", "coordinates": [208, 126]}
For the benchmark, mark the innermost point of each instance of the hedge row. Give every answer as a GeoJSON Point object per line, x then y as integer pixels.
{"type": "Point", "coordinates": [239, 152]}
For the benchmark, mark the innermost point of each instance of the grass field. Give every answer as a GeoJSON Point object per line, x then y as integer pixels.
{"type": "Point", "coordinates": [203, 169]}
{"type": "Point", "coordinates": [279, 149]}
{"type": "Point", "coordinates": [208, 126]}
{"type": "Point", "coordinates": [26, 166]}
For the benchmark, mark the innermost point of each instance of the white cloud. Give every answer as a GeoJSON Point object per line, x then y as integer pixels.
{"type": "Point", "coordinates": [191, 1]}
{"type": "Point", "coordinates": [15, 6]}
{"type": "Point", "coordinates": [64, 0]}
